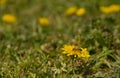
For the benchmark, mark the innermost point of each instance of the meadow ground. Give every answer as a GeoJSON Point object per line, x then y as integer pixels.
{"type": "Point", "coordinates": [37, 39]}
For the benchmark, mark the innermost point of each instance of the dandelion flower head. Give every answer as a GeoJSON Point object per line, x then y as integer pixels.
{"type": "Point", "coordinates": [71, 11]}
{"type": "Point", "coordinates": [9, 18]}
{"type": "Point", "coordinates": [80, 12]}
{"type": "Point", "coordinates": [105, 10]}
{"type": "Point", "coordinates": [71, 50]}
{"type": "Point", "coordinates": [43, 21]}
{"type": "Point", "coordinates": [115, 8]}
{"type": "Point", "coordinates": [110, 9]}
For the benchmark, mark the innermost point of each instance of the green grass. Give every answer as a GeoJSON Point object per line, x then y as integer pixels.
{"type": "Point", "coordinates": [28, 50]}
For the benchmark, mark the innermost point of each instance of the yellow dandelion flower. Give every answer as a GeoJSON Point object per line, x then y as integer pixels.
{"type": "Point", "coordinates": [9, 18]}
{"type": "Point", "coordinates": [105, 10]}
{"type": "Point", "coordinates": [71, 50]}
{"type": "Point", "coordinates": [2, 2]}
{"type": "Point", "coordinates": [80, 12]}
{"type": "Point", "coordinates": [43, 21]}
{"type": "Point", "coordinates": [68, 49]}
{"type": "Point", "coordinates": [110, 9]}
{"type": "Point", "coordinates": [115, 8]}
{"type": "Point", "coordinates": [71, 11]}
{"type": "Point", "coordinates": [84, 53]}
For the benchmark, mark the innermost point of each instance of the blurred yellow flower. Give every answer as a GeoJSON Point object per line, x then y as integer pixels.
{"type": "Point", "coordinates": [115, 8]}
{"type": "Point", "coordinates": [2, 2]}
{"type": "Point", "coordinates": [110, 9]}
{"type": "Point", "coordinates": [80, 12]}
{"type": "Point", "coordinates": [9, 18]}
{"type": "Point", "coordinates": [105, 10]}
{"type": "Point", "coordinates": [72, 50]}
{"type": "Point", "coordinates": [70, 11]}
{"type": "Point", "coordinates": [43, 21]}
